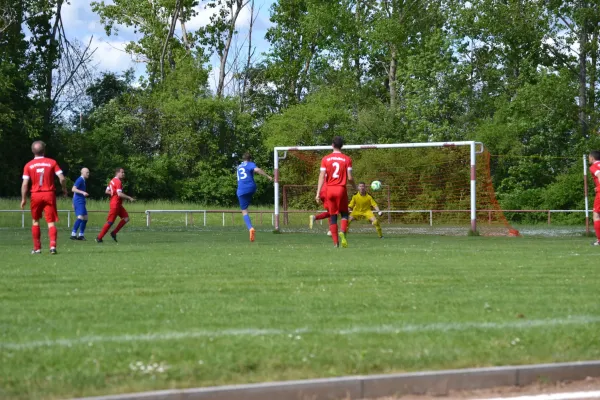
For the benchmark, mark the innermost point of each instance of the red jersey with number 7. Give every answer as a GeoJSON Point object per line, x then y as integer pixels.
{"type": "Point", "coordinates": [41, 171]}
{"type": "Point", "coordinates": [336, 167]}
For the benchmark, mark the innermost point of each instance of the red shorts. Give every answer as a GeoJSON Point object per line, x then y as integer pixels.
{"type": "Point", "coordinates": [117, 211]}
{"type": "Point", "coordinates": [597, 203]}
{"type": "Point", "coordinates": [337, 200]}
{"type": "Point", "coordinates": [44, 202]}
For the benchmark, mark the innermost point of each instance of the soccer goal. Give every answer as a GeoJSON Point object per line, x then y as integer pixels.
{"type": "Point", "coordinates": [437, 187]}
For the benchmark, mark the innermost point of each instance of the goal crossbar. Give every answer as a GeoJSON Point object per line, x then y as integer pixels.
{"type": "Point", "coordinates": [475, 148]}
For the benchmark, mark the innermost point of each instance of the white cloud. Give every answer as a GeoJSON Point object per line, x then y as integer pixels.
{"type": "Point", "coordinates": [111, 56]}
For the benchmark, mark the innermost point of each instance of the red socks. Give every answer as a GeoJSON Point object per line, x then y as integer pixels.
{"type": "Point", "coordinates": [105, 229]}
{"type": "Point", "coordinates": [344, 225]}
{"type": "Point", "coordinates": [36, 233]}
{"type": "Point", "coordinates": [333, 228]}
{"type": "Point", "coordinates": [323, 215]}
{"type": "Point", "coordinates": [597, 229]}
{"type": "Point", "coordinates": [118, 228]}
{"type": "Point", "coordinates": [53, 233]}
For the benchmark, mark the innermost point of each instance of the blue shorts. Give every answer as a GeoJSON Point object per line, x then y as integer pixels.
{"type": "Point", "coordinates": [245, 200]}
{"type": "Point", "coordinates": [80, 209]}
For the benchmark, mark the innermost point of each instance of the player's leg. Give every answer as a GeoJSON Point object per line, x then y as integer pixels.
{"type": "Point", "coordinates": [36, 232]}
{"type": "Point", "coordinates": [596, 219]}
{"type": "Point", "coordinates": [84, 221]}
{"type": "Point", "coordinates": [245, 200]}
{"type": "Point", "coordinates": [344, 213]}
{"type": "Point", "coordinates": [333, 208]}
{"type": "Point", "coordinates": [124, 219]}
{"type": "Point", "coordinates": [113, 212]}
{"type": "Point", "coordinates": [318, 217]}
{"type": "Point", "coordinates": [77, 223]}
{"type": "Point", "coordinates": [51, 215]}
{"type": "Point", "coordinates": [76, 226]}
{"type": "Point", "coordinates": [375, 223]}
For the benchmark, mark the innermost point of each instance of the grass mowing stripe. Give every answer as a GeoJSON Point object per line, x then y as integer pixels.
{"type": "Point", "coordinates": [384, 329]}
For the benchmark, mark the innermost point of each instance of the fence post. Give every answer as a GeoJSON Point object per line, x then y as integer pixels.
{"type": "Point", "coordinates": [430, 217]}
{"type": "Point", "coordinates": [68, 218]}
{"type": "Point", "coordinates": [548, 217]}
{"type": "Point", "coordinates": [204, 217]}
{"type": "Point", "coordinates": [223, 219]}
{"type": "Point", "coordinates": [186, 219]}
{"type": "Point", "coordinates": [147, 219]}
{"type": "Point", "coordinates": [22, 219]}
{"type": "Point", "coordinates": [489, 217]}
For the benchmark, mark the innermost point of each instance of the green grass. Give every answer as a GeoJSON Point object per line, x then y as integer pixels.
{"type": "Point", "coordinates": [405, 303]}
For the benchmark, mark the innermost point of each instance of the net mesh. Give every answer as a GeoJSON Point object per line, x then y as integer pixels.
{"type": "Point", "coordinates": [424, 190]}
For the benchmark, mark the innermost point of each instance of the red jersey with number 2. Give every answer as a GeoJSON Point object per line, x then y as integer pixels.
{"type": "Point", "coordinates": [336, 167]}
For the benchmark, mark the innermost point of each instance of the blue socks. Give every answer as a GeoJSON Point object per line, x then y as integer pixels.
{"type": "Point", "coordinates": [79, 224]}
{"type": "Point", "coordinates": [76, 226]}
{"type": "Point", "coordinates": [247, 221]}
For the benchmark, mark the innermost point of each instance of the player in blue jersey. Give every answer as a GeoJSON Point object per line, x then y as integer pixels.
{"type": "Point", "coordinates": [79, 195]}
{"type": "Point", "coordinates": [247, 187]}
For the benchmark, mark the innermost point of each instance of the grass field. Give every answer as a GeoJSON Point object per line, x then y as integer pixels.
{"type": "Point", "coordinates": [188, 308]}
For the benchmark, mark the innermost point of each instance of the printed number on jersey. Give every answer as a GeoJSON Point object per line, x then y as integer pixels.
{"type": "Point", "coordinates": [242, 174]}
{"type": "Point", "coordinates": [41, 172]}
{"type": "Point", "coordinates": [336, 173]}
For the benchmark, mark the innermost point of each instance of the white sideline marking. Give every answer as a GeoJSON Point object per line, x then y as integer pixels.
{"type": "Point", "coordinates": [383, 329]}
{"type": "Point", "coordinates": [552, 396]}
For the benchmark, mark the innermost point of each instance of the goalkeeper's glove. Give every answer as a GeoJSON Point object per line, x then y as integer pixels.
{"type": "Point", "coordinates": [380, 213]}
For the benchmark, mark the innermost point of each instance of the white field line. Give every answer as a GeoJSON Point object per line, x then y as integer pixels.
{"type": "Point", "coordinates": [382, 329]}
{"type": "Point", "coordinates": [553, 396]}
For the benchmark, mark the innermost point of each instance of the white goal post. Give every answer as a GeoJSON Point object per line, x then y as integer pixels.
{"type": "Point", "coordinates": [475, 147]}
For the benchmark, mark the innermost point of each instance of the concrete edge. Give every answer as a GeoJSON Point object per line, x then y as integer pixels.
{"type": "Point", "coordinates": [371, 386]}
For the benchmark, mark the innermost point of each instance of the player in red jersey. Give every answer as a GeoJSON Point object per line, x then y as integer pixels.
{"type": "Point", "coordinates": [594, 158]}
{"type": "Point", "coordinates": [115, 190]}
{"type": "Point", "coordinates": [336, 171]}
{"type": "Point", "coordinates": [40, 171]}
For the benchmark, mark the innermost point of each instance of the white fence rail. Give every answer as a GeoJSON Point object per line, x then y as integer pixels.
{"type": "Point", "coordinates": [190, 213]}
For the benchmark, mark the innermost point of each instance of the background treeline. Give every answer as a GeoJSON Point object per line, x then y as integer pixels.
{"type": "Point", "coordinates": [521, 76]}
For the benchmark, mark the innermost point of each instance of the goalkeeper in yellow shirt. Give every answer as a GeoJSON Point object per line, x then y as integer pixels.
{"type": "Point", "coordinates": [362, 205]}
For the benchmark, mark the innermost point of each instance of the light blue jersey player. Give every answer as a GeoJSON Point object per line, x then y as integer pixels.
{"type": "Point", "coordinates": [247, 188]}
{"type": "Point", "coordinates": [79, 195]}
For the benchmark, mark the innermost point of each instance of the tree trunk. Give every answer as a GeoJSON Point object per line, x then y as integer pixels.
{"type": "Point", "coordinates": [392, 76]}
{"type": "Point", "coordinates": [225, 54]}
{"type": "Point", "coordinates": [583, 74]}
{"type": "Point", "coordinates": [166, 43]}
{"type": "Point", "coordinates": [594, 73]}
{"type": "Point", "coordinates": [249, 59]}
{"type": "Point", "coordinates": [52, 56]}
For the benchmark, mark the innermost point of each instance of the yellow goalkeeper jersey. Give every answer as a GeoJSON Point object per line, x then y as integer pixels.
{"type": "Point", "coordinates": [361, 203]}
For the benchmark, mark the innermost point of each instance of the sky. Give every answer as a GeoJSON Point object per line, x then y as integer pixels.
{"type": "Point", "coordinates": [82, 23]}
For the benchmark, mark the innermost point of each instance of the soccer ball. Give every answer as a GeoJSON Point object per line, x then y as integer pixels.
{"type": "Point", "coordinates": [375, 186]}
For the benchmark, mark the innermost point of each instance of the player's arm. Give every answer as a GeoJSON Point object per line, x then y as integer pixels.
{"type": "Point", "coordinates": [263, 173]}
{"type": "Point", "coordinates": [375, 206]}
{"type": "Point", "coordinates": [597, 175]}
{"type": "Point", "coordinates": [351, 179]}
{"type": "Point", "coordinates": [124, 196]}
{"type": "Point", "coordinates": [81, 192]}
{"type": "Point", "coordinates": [320, 185]}
{"type": "Point", "coordinates": [24, 190]}
{"type": "Point", "coordinates": [63, 183]}
{"type": "Point", "coordinates": [108, 191]}
{"type": "Point", "coordinates": [352, 203]}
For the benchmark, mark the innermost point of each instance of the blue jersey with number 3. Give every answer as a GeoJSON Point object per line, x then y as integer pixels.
{"type": "Point", "coordinates": [245, 177]}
